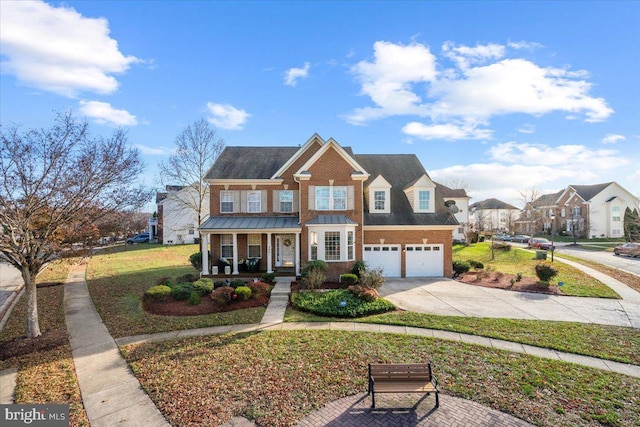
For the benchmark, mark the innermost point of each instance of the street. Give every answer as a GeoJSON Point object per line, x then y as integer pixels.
{"type": "Point", "coordinates": [10, 279]}
{"type": "Point", "coordinates": [632, 265]}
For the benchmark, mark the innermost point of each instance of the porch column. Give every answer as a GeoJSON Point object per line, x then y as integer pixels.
{"type": "Point", "coordinates": [205, 253]}
{"type": "Point", "coordinates": [235, 254]}
{"type": "Point", "coordinates": [296, 254]}
{"type": "Point", "coordinates": [269, 254]}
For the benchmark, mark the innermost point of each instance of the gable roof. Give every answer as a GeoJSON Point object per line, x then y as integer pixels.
{"type": "Point", "coordinates": [401, 170]}
{"type": "Point", "coordinates": [250, 162]}
{"type": "Point", "coordinates": [347, 155]}
{"type": "Point", "coordinates": [588, 192]}
{"type": "Point", "coordinates": [449, 193]}
{"type": "Point", "coordinates": [547, 199]}
{"type": "Point", "coordinates": [492, 204]}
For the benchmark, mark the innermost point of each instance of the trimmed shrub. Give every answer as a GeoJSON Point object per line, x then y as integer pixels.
{"type": "Point", "coordinates": [268, 278]}
{"type": "Point", "coordinates": [182, 291]}
{"type": "Point", "coordinates": [476, 264]}
{"type": "Point", "coordinates": [365, 294]}
{"type": "Point", "coordinates": [372, 279]}
{"type": "Point", "coordinates": [312, 279]}
{"type": "Point", "coordinates": [545, 272]}
{"type": "Point", "coordinates": [236, 283]}
{"type": "Point", "coordinates": [158, 293]}
{"type": "Point", "coordinates": [164, 280]}
{"type": "Point", "coordinates": [339, 303]}
{"type": "Point", "coordinates": [194, 298]}
{"type": "Point", "coordinates": [316, 265]}
{"type": "Point", "coordinates": [460, 267]}
{"type": "Point", "coordinates": [243, 292]}
{"type": "Point", "coordinates": [203, 286]}
{"type": "Point", "coordinates": [259, 288]}
{"type": "Point", "coordinates": [348, 280]}
{"type": "Point", "coordinates": [501, 246]}
{"type": "Point", "coordinates": [196, 260]}
{"type": "Point", "coordinates": [187, 278]}
{"type": "Point", "coordinates": [358, 268]}
{"type": "Point", "coordinates": [223, 294]}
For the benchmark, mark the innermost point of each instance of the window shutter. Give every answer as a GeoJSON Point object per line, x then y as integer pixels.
{"type": "Point", "coordinates": [243, 201]}
{"type": "Point", "coordinates": [236, 202]}
{"type": "Point", "coordinates": [312, 197]}
{"type": "Point", "coordinates": [263, 201]}
{"type": "Point", "coordinates": [296, 201]}
{"type": "Point", "coordinates": [276, 200]}
{"type": "Point", "coordinates": [350, 198]}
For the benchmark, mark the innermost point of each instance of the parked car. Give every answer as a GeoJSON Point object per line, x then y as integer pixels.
{"type": "Point", "coordinates": [138, 238]}
{"type": "Point", "coordinates": [540, 243]}
{"type": "Point", "coordinates": [503, 237]}
{"type": "Point", "coordinates": [521, 238]}
{"type": "Point", "coordinates": [629, 249]}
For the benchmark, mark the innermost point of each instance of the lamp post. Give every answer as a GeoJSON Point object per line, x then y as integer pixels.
{"type": "Point", "coordinates": [553, 220]}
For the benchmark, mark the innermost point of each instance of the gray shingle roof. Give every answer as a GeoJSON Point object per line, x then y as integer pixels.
{"type": "Point", "coordinates": [492, 204]}
{"type": "Point", "coordinates": [546, 199]}
{"type": "Point", "coordinates": [451, 192]}
{"type": "Point", "coordinates": [588, 192]}
{"type": "Point", "coordinates": [250, 162]}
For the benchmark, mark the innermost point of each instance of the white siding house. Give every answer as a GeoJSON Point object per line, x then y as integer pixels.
{"type": "Point", "coordinates": [179, 219]}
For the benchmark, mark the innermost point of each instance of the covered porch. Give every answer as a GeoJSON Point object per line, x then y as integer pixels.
{"type": "Point", "coordinates": [273, 240]}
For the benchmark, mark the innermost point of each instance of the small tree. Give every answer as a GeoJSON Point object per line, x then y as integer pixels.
{"type": "Point", "coordinates": [545, 272]}
{"type": "Point", "coordinates": [54, 185]}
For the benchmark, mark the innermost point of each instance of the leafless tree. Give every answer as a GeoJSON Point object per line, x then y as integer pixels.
{"type": "Point", "coordinates": [529, 213]}
{"type": "Point", "coordinates": [197, 147]}
{"type": "Point", "coordinates": [56, 183]}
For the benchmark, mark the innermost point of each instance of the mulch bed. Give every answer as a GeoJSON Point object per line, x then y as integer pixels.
{"type": "Point", "coordinates": [503, 281]}
{"type": "Point", "coordinates": [172, 307]}
{"type": "Point", "coordinates": [295, 286]}
{"type": "Point", "coordinates": [22, 346]}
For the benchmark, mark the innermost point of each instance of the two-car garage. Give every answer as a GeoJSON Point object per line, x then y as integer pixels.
{"type": "Point", "coordinates": [420, 260]}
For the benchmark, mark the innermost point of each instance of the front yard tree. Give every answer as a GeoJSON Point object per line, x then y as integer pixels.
{"type": "Point", "coordinates": [56, 183]}
{"type": "Point", "coordinates": [197, 147]}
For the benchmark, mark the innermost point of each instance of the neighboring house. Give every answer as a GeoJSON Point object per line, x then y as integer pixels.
{"type": "Point", "coordinates": [457, 201]}
{"type": "Point", "coordinates": [586, 211]}
{"type": "Point", "coordinates": [493, 215]}
{"type": "Point", "coordinates": [289, 205]}
{"type": "Point", "coordinates": [177, 214]}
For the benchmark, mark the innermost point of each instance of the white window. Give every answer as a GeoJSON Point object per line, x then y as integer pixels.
{"type": "Point", "coordinates": [313, 253]}
{"type": "Point", "coordinates": [226, 202]}
{"type": "Point", "coordinates": [424, 200]}
{"type": "Point", "coordinates": [331, 198]}
{"type": "Point", "coordinates": [226, 246]}
{"type": "Point", "coordinates": [254, 246]}
{"type": "Point", "coordinates": [379, 200]}
{"type": "Point", "coordinates": [254, 201]}
{"type": "Point", "coordinates": [350, 246]}
{"type": "Point", "coordinates": [577, 211]}
{"type": "Point", "coordinates": [332, 246]}
{"type": "Point", "coordinates": [562, 213]}
{"type": "Point", "coordinates": [615, 213]}
{"type": "Point", "coordinates": [286, 200]}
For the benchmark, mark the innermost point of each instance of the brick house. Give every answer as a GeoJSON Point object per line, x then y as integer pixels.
{"type": "Point", "coordinates": [289, 205]}
{"type": "Point", "coordinates": [584, 211]}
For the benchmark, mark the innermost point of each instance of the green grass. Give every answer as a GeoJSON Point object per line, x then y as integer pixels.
{"type": "Point", "coordinates": [277, 377]}
{"type": "Point", "coordinates": [576, 283]}
{"type": "Point", "coordinates": [118, 278]}
{"type": "Point", "coordinates": [606, 342]}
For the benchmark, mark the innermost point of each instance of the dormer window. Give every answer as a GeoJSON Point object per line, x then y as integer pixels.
{"type": "Point", "coordinates": [379, 200]}
{"type": "Point", "coordinates": [378, 195]}
{"type": "Point", "coordinates": [420, 194]}
{"type": "Point", "coordinates": [424, 200]}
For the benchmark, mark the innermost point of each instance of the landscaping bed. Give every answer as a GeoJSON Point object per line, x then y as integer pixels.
{"type": "Point", "coordinates": [509, 282]}
{"type": "Point", "coordinates": [206, 306]}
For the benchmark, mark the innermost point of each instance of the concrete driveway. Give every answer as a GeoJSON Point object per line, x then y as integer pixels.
{"type": "Point", "coordinates": [448, 297]}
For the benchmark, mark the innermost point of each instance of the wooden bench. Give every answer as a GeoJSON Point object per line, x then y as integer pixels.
{"type": "Point", "coordinates": [402, 378]}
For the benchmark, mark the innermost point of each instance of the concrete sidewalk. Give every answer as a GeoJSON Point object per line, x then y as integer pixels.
{"type": "Point", "coordinates": [110, 392]}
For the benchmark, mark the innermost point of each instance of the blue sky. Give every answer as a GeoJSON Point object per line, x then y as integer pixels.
{"type": "Point", "coordinates": [501, 97]}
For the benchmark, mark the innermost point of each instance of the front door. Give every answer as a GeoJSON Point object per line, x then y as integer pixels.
{"type": "Point", "coordinates": [285, 250]}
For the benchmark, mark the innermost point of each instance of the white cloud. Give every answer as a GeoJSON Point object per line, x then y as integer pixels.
{"type": "Point", "coordinates": [59, 50]}
{"type": "Point", "coordinates": [524, 45]}
{"type": "Point", "coordinates": [613, 138]}
{"type": "Point", "coordinates": [404, 80]}
{"type": "Point", "coordinates": [292, 75]}
{"type": "Point", "coordinates": [104, 113]}
{"type": "Point", "coordinates": [226, 116]}
{"type": "Point", "coordinates": [389, 78]}
{"type": "Point", "coordinates": [449, 131]}
{"type": "Point", "coordinates": [152, 151]}
{"type": "Point", "coordinates": [527, 128]}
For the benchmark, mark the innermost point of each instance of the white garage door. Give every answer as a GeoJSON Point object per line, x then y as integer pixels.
{"type": "Point", "coordinates": [386, 256]}
{"type": "Point", "coordinates": [424, 261]}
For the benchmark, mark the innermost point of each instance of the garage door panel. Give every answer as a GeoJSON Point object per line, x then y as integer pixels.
{"type": "Point", "coordinates": [388, 257]}
{"type": "Point", "coordinates": [424, 261]}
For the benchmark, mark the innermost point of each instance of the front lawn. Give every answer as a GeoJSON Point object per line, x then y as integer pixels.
{"type": "Point", "coordinates": [118, 278]}
{"type": "Point", "coordinates": [277, 377]}
{"type": "Point", "coordinates": [516, 260]}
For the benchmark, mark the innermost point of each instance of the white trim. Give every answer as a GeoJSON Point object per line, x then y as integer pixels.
{"type": "Point", "coordinates": [314, 138]}
{"type": "Point", "coordinates": [331, 144]}
{"type": "Point", "coordinates": [245, 181]}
